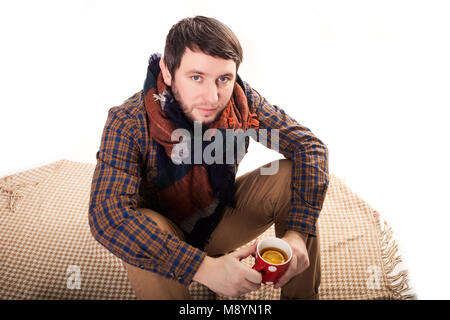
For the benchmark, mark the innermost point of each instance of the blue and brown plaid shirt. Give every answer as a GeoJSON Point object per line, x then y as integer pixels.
{"type": "Point", "coordinates": [125, 180]}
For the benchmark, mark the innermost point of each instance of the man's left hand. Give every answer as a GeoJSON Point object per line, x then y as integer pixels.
{"type": "Point", "coordinates": [300, 259]}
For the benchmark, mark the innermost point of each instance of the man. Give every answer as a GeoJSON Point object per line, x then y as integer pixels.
{"type": "Point", "coordinates": [173, 217]}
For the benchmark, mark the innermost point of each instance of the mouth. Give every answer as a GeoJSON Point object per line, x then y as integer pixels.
{"type": "Point", "coordinates": [206, 111]}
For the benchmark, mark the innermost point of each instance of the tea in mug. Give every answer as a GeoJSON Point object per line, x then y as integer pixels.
{"type": "Point", "coordinates": [273, 255]}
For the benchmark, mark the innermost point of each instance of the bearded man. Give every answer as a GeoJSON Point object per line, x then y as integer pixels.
{"type": "Point", "coordinates": [171, 216]}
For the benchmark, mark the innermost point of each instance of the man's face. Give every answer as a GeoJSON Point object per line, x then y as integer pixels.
{"type": "Point", "coordinates": [203, 85]}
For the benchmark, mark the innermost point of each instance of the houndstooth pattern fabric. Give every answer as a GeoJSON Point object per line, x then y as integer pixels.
{"type": "Point", "coordinates": [48, 252]}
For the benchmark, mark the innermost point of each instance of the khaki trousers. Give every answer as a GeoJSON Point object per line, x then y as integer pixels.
{"type": "Point", "coordinates": [260, 201]}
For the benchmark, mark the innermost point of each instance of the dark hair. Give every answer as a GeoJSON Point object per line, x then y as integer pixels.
{"type": "Point", "coordinates": [206, 34]}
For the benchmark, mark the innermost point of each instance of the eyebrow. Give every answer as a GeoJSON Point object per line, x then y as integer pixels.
{"type": "Point", "coordinates": [228, 74]}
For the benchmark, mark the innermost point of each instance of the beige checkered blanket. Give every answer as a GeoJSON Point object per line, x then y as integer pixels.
{"type": "Point", "coordinates": [48, 252]}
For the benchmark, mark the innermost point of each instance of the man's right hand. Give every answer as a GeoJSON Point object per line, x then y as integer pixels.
{"type": "Point", "coordinates": [227, 275]}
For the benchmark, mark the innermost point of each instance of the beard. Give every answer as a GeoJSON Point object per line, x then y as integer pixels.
{"type": "Point", "coordinates": [187, 110]}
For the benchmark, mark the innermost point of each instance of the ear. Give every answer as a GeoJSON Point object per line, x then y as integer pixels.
{"type": "Point", "coordinates": [165, 72]}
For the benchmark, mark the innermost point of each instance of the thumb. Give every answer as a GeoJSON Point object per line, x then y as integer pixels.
{"type": "Point", "coordinates": [255, 244]}
{"type": "Point", "coordinates": [245, 252]}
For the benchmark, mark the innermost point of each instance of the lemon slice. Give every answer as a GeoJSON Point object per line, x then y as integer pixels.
{"type": "Point", "coordinates": [273, 256]}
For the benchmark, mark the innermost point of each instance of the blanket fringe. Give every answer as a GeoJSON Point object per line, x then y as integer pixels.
{"type": "Point", "coordinates": [397, 283]}
{"type": "Point", "coordinates": [11, 191]}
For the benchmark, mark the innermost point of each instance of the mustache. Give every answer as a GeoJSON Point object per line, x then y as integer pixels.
{"type": "Point", "coordinates": [205, 106]}
{"type": "Point", "coordinates": [214, 106]}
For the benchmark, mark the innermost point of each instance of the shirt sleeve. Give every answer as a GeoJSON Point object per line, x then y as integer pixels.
{"type": "Point", "coordinates": [309, 155]}
{"type": "Point", "coordinates": [114, 218]}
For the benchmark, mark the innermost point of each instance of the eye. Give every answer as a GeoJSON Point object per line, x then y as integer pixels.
{"type": "Point", "coordinates": [223, 79]}
{"type": "Point", "coordinates": [196, 78]}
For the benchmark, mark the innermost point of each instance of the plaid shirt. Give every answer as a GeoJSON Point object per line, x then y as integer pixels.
{"type": "Point", "coordinates": [125, 180]}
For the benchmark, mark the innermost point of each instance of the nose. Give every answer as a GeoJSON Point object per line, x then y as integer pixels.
{"type": "Point", "coordinates": [210, 93]}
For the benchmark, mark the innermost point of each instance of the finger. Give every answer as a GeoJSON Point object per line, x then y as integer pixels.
{"type": "Point", "coordinates": [253, 276]}
{"type": "Point", "coordinates": [245, 252]}
{"type": "Point", "coordinates": [297, 267]}
{"type": "Point", "coordinates": [304, 264]}
{"type": "Point", "coordinates": [243, 292]}
{"type": "Point", "coordinates": [255, 244]}
{"type": "Point", "coordinates": [283, 280]}
{"type": "Point", "coordinates": [250, 286]}
{"type": "Point", "coordinates": [287, 275]}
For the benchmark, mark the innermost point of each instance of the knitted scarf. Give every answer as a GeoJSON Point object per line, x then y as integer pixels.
{"type": "Point", "coordinates": [192, 194]}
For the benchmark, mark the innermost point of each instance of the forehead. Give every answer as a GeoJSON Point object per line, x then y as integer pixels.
{"type": "Point", "coordinates": [197, 61]}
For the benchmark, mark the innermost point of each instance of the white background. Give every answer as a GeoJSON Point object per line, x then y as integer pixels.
{"type": "Point", "coordinates": [369, 78]}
